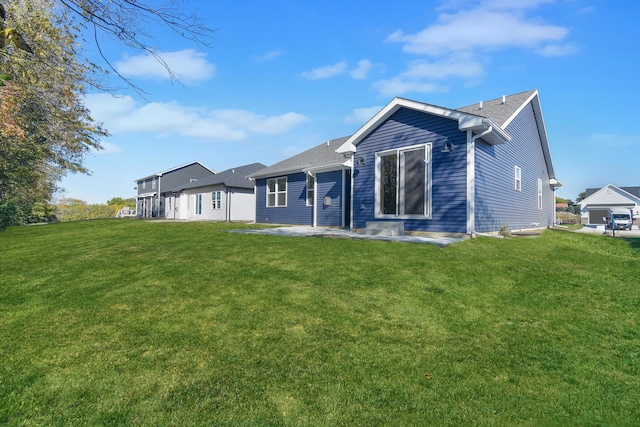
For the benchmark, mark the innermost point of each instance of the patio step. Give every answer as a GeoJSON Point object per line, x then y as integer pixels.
{"type": "Point", "coordinates": [384, 228]}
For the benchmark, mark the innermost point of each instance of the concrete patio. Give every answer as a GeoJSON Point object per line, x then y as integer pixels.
{"type": "Point", "coordinates": [306, 231]}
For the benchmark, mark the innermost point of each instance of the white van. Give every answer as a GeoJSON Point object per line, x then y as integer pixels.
{"type": "Point", "coordinates": [621, 217]}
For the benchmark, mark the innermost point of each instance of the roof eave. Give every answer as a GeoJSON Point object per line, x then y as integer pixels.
{"type": "Point", "coordinates": [465, 121]}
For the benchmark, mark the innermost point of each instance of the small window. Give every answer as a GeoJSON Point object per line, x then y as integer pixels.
{"type": "Point", "coordinates": [198, 204]}
{"type": "Point", "coordinates": [153, 184]}
{"type": "Point", "coordinates": [517, 178]}
{"type": "Point", "coordinates": [311, 181]}
{"type": "Point", "coordinates": [144, 184]}
{"type": "Point", "coordinates": [216, 198]}
{"type": "Point", "coordinates": [277, 192]}
{"type": "Point", "coordinates": [539, 194]}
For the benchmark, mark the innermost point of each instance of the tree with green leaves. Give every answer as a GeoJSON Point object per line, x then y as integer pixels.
{"type": "Point", "coordinates": [46, 130]}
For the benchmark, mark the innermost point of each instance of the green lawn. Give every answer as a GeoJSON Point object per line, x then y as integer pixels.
{"type": "Point", "coordinates": [125, 322]}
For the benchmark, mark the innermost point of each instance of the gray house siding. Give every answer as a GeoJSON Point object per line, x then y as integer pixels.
{"type": "Point", "coordinates": [296, 211]}
{"type": "Point", "coordinates": [165, 182]}
{"type": "Point", "coordinates": [498, 203]}
{"type": "Point", "coordinates": [448, 170]}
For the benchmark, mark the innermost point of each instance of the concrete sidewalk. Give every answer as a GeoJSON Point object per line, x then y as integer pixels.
{"type": "Point", "coordinates": [599, 229]}
{"type": "Point", "coordinates": [304, 231]}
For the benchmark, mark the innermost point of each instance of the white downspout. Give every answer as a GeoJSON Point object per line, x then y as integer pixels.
{"type": "Point", "coordinates": [471, 179]}
{"type": "Point", "coordinates": [159, 192]}
{"type": "Point", "coordinates": [471, 184]}
{"type": "Point", "coordinates": [314, 206]}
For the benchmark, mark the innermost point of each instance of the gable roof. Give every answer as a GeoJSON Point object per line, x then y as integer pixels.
{"type": "Point", "coordinates": [164, 172]}
{"type": "Point", "coordinates": [490, 121]}
{"type": "Point", "coordinates": [492, 133]}
{"type": "Point", "coordinates": [610, 195]}
{"type": "Point", "coordinates": [501, 110]}
{"type": "Point", "coordinates": [635, 191]}
{"type": "Point", "coordinates": [320, 157]}
{"type": "Point", "coordinates": [234, 178]}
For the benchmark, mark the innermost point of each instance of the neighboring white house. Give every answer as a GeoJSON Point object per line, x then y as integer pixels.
{"type": "Point", "coordinates": [150, 202]}
{"type": "Point", "coordinates": [225, 196]}
{"type": "Point", "coordinates": [595, 206]}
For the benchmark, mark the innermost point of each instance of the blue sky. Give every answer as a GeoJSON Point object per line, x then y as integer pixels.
{"type": "Point", "coordinates": [285, 75]}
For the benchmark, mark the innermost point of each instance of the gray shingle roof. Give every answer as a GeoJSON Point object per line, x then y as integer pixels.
{"type": "Point", "coordinates": [234, 177]}
{"type": "Point", "coordinates": [496, 110]}
{"type": "Point", "coordinates": [318, 156]}
{"type": "Point", "coordinates": [173, 169]}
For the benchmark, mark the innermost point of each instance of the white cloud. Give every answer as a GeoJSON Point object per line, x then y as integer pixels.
{"type": "Point", "coordinates": [558, 49]}
{"type": "Point", "coordinates": [459, 44]}
{"type": "Point", "coordinates": [122, 114]}
{"type": "Point", "coordinates": [325, 72]}
{"type": "Point", "coordinates": [362, 71]}
{"type": "Point", "coordinates": [108, 148]}
{"type": "Point", "coordinates": [188, 65]}
{"type": "Point", "coordinates": [269, 55]}
{"type": "Point", "coordinates": [461, 65]}
{"type": "Point", "coordinates": [478, 29]}
{"type": "Point", "coordinates": [399, 85]}
{"type": "Point", "coordinates": [362, 115]}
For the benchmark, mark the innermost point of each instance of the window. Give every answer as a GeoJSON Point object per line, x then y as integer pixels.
{"type": "Point", "coordinates": [144, 184]}
{"type": "Point", "coordinates": [198, 204]}
{"type": "Point", "coordinates": [276, 192]}
{"type": "Point", "coordinates": [311, 181]}
{"type": "Point", "coordinates": [216, 200]}
{"type": "Point", "coordinates": [153, 184]}
{"type": "Point", "coordinates": [517, 176]}
{"type": "Point", "coordinates": [403, 182]}
{"type": "Point", "coordinates": [539, 194]}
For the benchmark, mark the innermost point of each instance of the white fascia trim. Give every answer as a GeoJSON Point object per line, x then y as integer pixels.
{"type": "Point", "coordinates": [519, 110]}
{"type": "Point", "coordinates": [143, 195]}
{"type": "Point", "coordinates": [349, 146]}
{"type": "Point", "coordinates": [631, 197]}
{"type": "Point", "coordinates": [465, 121]}
{"type": "Point", "coordinates": [327, 168]}
{"type": "Point", "coordinates": [273, 174]}
{"type": "Point", "coordinates": [534, 99]}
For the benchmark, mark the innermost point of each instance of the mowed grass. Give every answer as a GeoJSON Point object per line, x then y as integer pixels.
{"type": "Point", "coordinates": [127, 322]}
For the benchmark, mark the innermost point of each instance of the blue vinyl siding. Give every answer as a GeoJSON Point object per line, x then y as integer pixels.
{"type": "Point", "coordinates": [296, 211]}
{"type": "Point", "coordinates": [448, 170]}
{"type": "Point", "coordinates": [498, 204]}
{"type": "Point", "coordinates": [329, 184]}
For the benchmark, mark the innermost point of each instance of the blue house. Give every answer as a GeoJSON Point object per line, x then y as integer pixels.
{"type": "Point", "coordinates": [433, 169]}
{"type": "Point", "coordinates": [310, 188]}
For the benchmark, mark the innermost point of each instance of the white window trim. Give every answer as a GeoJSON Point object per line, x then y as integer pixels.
{"type": "Point", "coordinates": [277, 192]}
{"type": "Point", "coordinates": [517, 178]}
{"type": "Point", "coordinates": [399, 193]}
{"type": "Point", "coordinates": [311, 189]}
{"type": "Point", "coordinates": [539, 194]}
{"type": "Point", "coordinates": [198, 204]}
{"type": "Point", "coordinates": [216, 196]}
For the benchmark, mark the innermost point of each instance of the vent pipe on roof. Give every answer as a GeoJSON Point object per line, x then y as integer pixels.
{"type": "Point", "coordinates": [327, 143]}
{"type": "Point", "coordinates": [480, 106]}
{"type": "Point", "coordinates": [504, 99]}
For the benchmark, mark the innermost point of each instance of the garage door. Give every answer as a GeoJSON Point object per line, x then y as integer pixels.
{"type": "Point", "coordinates": [596, 216]}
